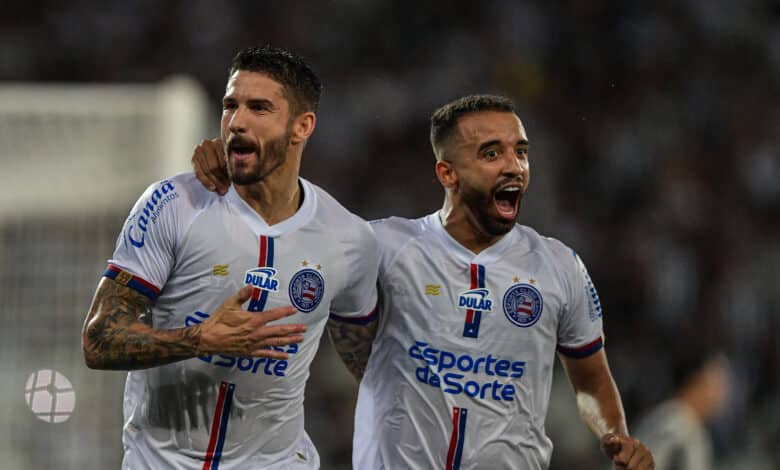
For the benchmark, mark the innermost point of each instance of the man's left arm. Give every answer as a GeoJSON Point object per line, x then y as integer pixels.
{"type": "Point", "coordinates": [601, 408]}
{"type": "Point", "coordinates": [580, 347]}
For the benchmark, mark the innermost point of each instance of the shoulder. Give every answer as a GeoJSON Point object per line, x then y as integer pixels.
{"type": "Point", "coordinates": [393, 232]}
{"type": "Point", "coordinates": [193, 193]}
{"type": "Point", "coordinates": [338, 220]}
{"type": "Point", "coordinates": [549, 247]}
{"type": "Point", "coordinates": [179, 190]}
{"type": "Point", "coordinates": [167, 206]}
{"type": "Point", "coordinates": [562, 259]}
{"type": "Point", "coordinates": [392, 226]}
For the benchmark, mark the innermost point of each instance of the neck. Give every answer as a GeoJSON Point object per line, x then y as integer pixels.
{"type": "Point", "coordinates": [276, 198]}
{"type": "Point", "coordinates": [463, 227]}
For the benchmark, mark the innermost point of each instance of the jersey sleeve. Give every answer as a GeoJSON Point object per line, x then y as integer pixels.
{"type": "Point", "coordinates": [145, 249]}
{"type": "Point", "coordinates": [580, 329]}
{"type": "Point", "coordinates": [357, 301]}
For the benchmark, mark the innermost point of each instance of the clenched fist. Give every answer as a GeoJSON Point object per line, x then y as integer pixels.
{"type": "Point", "coordinates": [626, 452]}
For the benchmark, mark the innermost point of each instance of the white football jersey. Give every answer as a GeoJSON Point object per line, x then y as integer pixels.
{"type": "Point", "coordinates": [189, 250]}
{"type": "Point", "coordinates": [462, 365]}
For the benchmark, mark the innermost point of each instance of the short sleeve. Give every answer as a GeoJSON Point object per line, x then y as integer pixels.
{"type": "Point", "coordinates": [580, 329]}
{"type": "Point", "coordinates": [145, 249]}
{"type": "Point", "coordinates": [357, 301]}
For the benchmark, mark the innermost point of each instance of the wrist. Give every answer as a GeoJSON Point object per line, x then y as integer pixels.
{"type": "Point", "coordinates": [199, 345]}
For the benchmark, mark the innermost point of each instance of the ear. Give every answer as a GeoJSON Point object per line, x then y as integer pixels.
{"type": "Point", "coordinates": [446, 174]}
{"type": "Point", "coordinates": [302, 127]}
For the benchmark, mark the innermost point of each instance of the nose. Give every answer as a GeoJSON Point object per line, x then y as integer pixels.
{"type": "Point", "coordinates": [237, 122]}
{"type": "Point", "coordinates": [512, 164]}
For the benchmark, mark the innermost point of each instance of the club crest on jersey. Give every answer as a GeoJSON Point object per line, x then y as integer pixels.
{"type": "Point", "coordinates": [306, 290]}
{"type": "Point", "coordinates": [475, 299]}
{"type": "Point", "coordinates": [263, 279]}
{"type": "Point", "coordinates": [523, 305]}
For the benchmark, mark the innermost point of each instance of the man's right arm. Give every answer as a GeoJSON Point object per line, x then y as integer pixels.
{"type": "Point", "coordinates": [115, 337]}
{"type": "Point", "coordinates": [353, 343]}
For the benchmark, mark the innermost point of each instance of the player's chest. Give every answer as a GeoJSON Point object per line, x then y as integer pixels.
{"type": "Point", "coordinates": [295, 269]}
{"type": "Point", "coordinates": [514, 299]}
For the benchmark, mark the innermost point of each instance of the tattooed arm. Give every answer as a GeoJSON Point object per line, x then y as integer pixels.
{"type": "Point", "coordinates": [116, 337]}
{"type": "Point", "coordinates": [353, 343]}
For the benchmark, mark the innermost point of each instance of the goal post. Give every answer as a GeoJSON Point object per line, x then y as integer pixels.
{"type": "Point", "coordinates": [73, 160]}
{"type": "Point", "coordinates": [74, 147]}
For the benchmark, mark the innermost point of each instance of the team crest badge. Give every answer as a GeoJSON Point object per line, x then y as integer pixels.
{"type": "Point", "coordinates": [306, 289]}
{"type": "Point", "coordinates": [523, 305]}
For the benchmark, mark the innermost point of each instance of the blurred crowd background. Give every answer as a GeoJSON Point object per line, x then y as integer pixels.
{"type": "Point", "coordinates": [655, 153]}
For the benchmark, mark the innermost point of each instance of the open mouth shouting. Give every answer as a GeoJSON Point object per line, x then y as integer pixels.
{"type": "Point", "coordinates": [507, 200]}
{"type": "Point", "coordinates": [241, 150]}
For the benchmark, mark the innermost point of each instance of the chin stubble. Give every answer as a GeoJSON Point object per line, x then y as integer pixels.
{"type": "Point", "coordinates": [275, 156]}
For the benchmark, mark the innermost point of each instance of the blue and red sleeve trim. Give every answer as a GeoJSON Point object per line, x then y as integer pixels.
{"type": "Point", "coordinates": [584, 350]}
{"type": "Point", "coordinates": [132, 281]}
{"type": "Point", "coordinates": [362, 320]}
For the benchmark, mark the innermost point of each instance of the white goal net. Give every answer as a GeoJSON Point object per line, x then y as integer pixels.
{"type": "Point", "coordinates": [73, 160]}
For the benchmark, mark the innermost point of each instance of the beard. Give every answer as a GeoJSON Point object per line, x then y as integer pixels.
{"type": "Point", "coordinates": [479, 208]}
{"type": "Point", "coordinates": [268, 158]}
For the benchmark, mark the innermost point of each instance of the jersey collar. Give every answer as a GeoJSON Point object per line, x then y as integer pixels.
{"type": "Point", "coordinates": [487, 256]}
{"type": "Point", "coordinates": [302, 216]}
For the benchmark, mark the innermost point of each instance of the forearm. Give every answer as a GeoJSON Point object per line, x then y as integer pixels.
{"type": "Point", "coordinates": [353, 344]}
{"type": "Point", "coordinates": [138, 346]}
{"type": "Point", "coordinates": [602, 409]}
{"type": "Point", "coordinates": [115, 338]}
{"type": "Point", "coordinates": [598, 399]}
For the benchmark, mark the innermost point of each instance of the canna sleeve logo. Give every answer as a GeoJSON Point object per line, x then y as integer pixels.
{"type": "Point", "coordinates": [139, 222]}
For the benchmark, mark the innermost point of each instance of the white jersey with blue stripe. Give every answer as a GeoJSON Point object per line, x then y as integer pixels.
{"type": "Point", "coordinates": [460, 372]}
{"type": "Point", "coordinates": [189, 250]}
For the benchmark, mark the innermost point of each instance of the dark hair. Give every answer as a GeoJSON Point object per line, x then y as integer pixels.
{"type": "Point", "coordinates": [444, 119]}
{"type": "Point", "coordinates": [300, 84]}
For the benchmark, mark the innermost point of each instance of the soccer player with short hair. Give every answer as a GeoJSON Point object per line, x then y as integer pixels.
{"type": "Point", "coordinates": [213, 385]}
{"type": "Point", "coordinates": [473, 309]}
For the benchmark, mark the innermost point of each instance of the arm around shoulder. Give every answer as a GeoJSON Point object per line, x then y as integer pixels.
{"type": "Point", "coordinates": [353, 342]}
{"type": "Point", "coordinates": [353, 323]}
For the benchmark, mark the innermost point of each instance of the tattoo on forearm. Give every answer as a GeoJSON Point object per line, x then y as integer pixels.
{"type": "Point", "coordinates": [353, 343]}
{"type": "Point", "coordinates": [118, 334]}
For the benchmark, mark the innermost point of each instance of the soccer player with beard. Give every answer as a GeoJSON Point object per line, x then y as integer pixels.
{"type": "Point", "coordinates": [473, 308]}
{"type": "Point", "coordinates": [217, 377]}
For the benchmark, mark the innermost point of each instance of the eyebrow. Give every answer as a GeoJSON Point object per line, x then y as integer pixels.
{"type": "Point", "coordinates": [261, 102]}
{"type": "Point", "coordinates": [493, 142]}
{"type": "Point", "coordinates": [252, 102]}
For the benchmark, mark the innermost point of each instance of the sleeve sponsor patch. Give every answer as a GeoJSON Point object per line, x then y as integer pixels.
{"type": "Point", "coordinates": [147, 214]}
